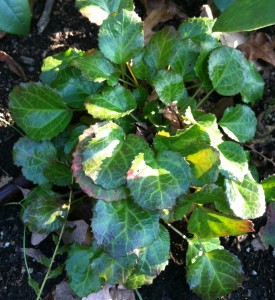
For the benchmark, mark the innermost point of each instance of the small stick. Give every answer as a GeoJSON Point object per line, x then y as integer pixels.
{"type": "Point", "coordinates": [45, 18]}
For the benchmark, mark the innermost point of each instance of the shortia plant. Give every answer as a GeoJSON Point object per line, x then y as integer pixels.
{"type": "Point", "coordinates": [122, 128]}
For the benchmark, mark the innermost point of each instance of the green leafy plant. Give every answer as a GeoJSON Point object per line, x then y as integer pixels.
{"type": "Point", "coordinates": [15, 16]}
{"type": "Point", "coordinates": [123, 123]}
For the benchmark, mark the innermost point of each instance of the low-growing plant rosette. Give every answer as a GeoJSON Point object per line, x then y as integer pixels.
{"type": "Point", "coordinates": [122, 122]}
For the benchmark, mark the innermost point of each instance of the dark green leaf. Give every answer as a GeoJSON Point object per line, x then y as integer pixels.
{"type": "Point", "coordinates": [161, 48]}
{"type": "Point", "coordinates": [169, 87]}
{"type": "Point", "coordinates": [223, 4]}
{"type": "Point", "coordinates": [156, 182]}
{"type": "Point", "coordinates": [183, 62]}
{"type": "Point", "coordinates": [122, 226]}
{"type": "Point", "coordinates": [253, 88]}
{"type": "Point", "coordinates": [58, 174]}
{"type": "Point", "coordinates": [82, 278]}
{"type": "Point", "coordinates": [43, 211]}
{"type": "Point", "coordinates": [112, 103]}
{"type": "Point", "coordinates": [34, 157]}
{"type": "Point", "coordinates": [39, 110]}
{"type": "Point", "coordinates": [141, 69]}
{"type": "Point", "coordinates": [246, 15]}
{"type": "Point", "coordinates": [73, 139]}
{"type": "Point", "coordinates": [73, 87]}
{"type": "Point", "coordinates": [239, 123]}
{"type": "Point", "coordinates": [233, 160]}
{"type": "Point", "coordinates": [113, 270]}
{"type": "Point", "coordinates": [246, 198]}
{"type": "Point", "coordinates": [181, 209]}
{"type": "Point", "coordinates": [226, 70]}
{"type": "Point", "coordinates": [95, 66]}
{"type": "Point", "coordinates": [208, 194]}
{"type": "Point", "coordinates": [207, 223]}
{"type": "Point", "coordinates": [121, 37]}
{"type": "Point", "coordinates": [215, 274]}
{"type": "Point", "coordinates": [15, 16]}
{"type": "Point", "coordinates": [155, 257]}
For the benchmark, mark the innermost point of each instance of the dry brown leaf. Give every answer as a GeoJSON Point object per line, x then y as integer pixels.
{"type": "Point", "coordinates": [159, 12]}
{"type": "Point", "coordinates": [37, 238]}
{"type": "Point", "coordinates": [172, 114]}
{"type": "Point", "coordinates": [259, 46]}
{"type": "Point", "coordinates": [110, 292]}
{"type": "Point", "coordinates": [77, 231]}
{"type": "Point", "coordinates": [2, 34]}
{"type": "Point", "coordinates": [12, 65]}
{"type": "Point", "coordinates": [37, 255]}
{"type": "Point", "coordinates": [63, 291]}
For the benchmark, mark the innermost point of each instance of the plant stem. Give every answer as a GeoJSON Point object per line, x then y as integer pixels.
{"type": "Point", "coordinates": [7, 123]}
{"type": "Point", "coordinates": [204, 98]}
{"type": "Point", "coordinates": [135, 118]}
{"type": "Point", "coordinates": [55, 250]}
{"type": "Point", "coordinates": [138, 294]}
{"type": "Point", "coordinates": [192, 86]}
{"type": "Point", "coordinates": [124, 81]}
{"type": "Point", "coordinates": [177, 231]}
{"type": "Point", "coordinates": [24, 252]}
{"type": "Point", "coordinates": [132, 74]}
{"type": "Point", "coordinates": [196, 93]}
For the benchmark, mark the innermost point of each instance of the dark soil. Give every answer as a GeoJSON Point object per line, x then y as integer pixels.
{"type": "Point", "coordinates": [68, 28]}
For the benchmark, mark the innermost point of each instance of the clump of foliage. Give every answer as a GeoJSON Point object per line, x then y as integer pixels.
{"type": "Point", "coordinates": [120, 124]}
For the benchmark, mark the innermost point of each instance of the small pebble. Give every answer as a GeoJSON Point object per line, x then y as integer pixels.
{"type": "Point", "coordinates": [31, 270]}
{"type": "Point", "coordinates": [248, 250]}
{"type": "Point", "coordinates": [7, 244]}
{"type": "Point", "coordinates": [254, 273]}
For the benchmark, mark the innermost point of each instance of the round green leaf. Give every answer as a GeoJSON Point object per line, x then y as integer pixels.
{"type": "Point", "coordinates": [233, 160]}
{"type": "Point", "coordinates": [169, 87]}
{"type": "Point", "coordinates": [82, 278]}
{"type": "Point", "coordinates": [246, 198]}
{"type": "Point", "coordinates": [39, 110]}
{"type": "Point", "coordinates": [58, 174]}
{"type": "Point", "coordinates": [96, 67]}
{"type": "Point", "coordinates": [34, 157]}
{"type": "Point", "coordinates": [268, 185]}
{"type": "Point", "coordinates": [15, 16]}
{"type": "Point", "coordinates": [226, 70]}
{"type": "Point", "coordinates": [43, 212]}
{"type": "Point", "coordinates": [156, 182]}
{"type": "Point", "coordinates": [239, 123]}
{"type": "Point", "coordinates": [155, 257]}
{"type": "Point", "coordinates": [112, 103]}
{"type": "Point", "coordinates": [161, 48]}
{"type": "Point", "coordinates": [215, 274]}
{"type": "Point", "coordinates": [122, 226]}
{"type": "Point", "coordinates": [120, 37]}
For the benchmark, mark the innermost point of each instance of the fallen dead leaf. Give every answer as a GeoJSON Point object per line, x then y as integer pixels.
{"type": "Point", "coordinates": [12, 65]}
{"type": "Point", "coordinates": [37, 238]}
{"type": "Point", "coordinates": [63, 291]}
{"type": "Point", "coordinates": [159, 12]}
{"type": "Point", "coordinates": [2, 34]}
{"type": "Point", "coordinates": [77, 231]}
{"type": "Point", "coordinates": [259, 46]}
{"type": "Point", "coordinates": [172, 114]}
{"type": "Point", "coordinates": [110, 292]}
{"type": "Point", "coordinates": [37, 255]}
{"type": "Point", "coordinates": [258, 245]}
{"type": "Point", "coordinates": [4, 180]}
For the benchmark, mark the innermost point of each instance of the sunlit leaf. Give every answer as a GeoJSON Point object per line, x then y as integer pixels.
{"type": "Point", "coordinates": [207, 223]}
{"type": "Point", "coordinates": [121, 37]}
{"type": "Point", "coordinates": [39, 110]}
{"type": "Point", "coordinates": [95, 66]}
{"type": "Point", "coordinates": [233, 160]}
{"type": "Point", "coordinates": [156, 182]}
{"type": "Point", "coordinates": [208, 194]}
{"type": "Point", "coordinates": [268, 185]}
{"type": "Point", "coordinates": [239, 123]}
{"type": "Point", "coordinates": [246, 198]}
{"type": "Point", "coordinates": [113, 102]}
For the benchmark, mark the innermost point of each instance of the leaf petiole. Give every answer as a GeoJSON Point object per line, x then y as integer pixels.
{"type": "Point", "coordinates": [177, 231]}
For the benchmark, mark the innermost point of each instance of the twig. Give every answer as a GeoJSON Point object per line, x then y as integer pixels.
{"type": "Point", "coordinates": [45, 18]}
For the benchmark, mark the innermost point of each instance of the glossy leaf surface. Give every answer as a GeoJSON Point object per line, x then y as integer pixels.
{"type": "Point", "coordinates": [156, 182]}
{"type": "Point", "coordinates": [39, 110]}
{"type": "Point", "coordinates": [120, 37]}
{"type": "Point", "coordinates": [122, 226]}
